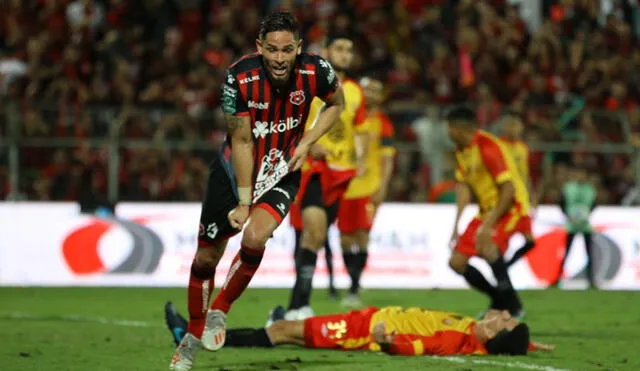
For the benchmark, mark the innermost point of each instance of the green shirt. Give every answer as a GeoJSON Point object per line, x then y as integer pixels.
{"type": "Point", "coordinates": [578, 201]}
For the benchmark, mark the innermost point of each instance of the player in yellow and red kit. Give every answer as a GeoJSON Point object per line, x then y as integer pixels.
{"type": "Point", "coordinates": [486, 169]}
{"type": "Point", "coordinates": [334, 160]}
{"type": "Point", "coordinates": [512, 129]}
{"type": "Point", "coordinates": [394, 330]}
{"type": "Point", "coordinates": [367, 191]}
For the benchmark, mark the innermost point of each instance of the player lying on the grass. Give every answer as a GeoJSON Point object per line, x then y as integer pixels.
{"type": "Point", "coordinates": [394, 330]}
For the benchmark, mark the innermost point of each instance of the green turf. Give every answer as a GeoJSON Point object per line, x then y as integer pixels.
{"type": "Point", "coordinates": [592, 330]}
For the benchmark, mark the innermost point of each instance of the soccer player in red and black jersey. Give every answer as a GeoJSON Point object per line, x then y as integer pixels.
{"type": "Point", "coordinates": [265, 98]}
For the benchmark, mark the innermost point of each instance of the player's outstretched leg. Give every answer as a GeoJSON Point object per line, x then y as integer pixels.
{"type": "Point", "coordinates": [354, 253]}
{"type": "Point", "coordinates": [313, 237]}
{"type": "Point", "coordinates": [245, 264]}
{"type": "Point", "coordinates": [176, 324]}
{"type": "Point", "coordinates": [529, 244]}
{"type": "Point", "coordinates": [200, 288]}
{"type": "Point", "coordinates": [588, 242]}
{"type": "Point", "coordinates": [568, 243]}
{"type": "Point", "coordinates": [328, 254]}
{"type": "Point", "coordinates": [504, 288]}
{"type": "Point", "coordinates": [475, 279]}
{"type": "Point", "coordinates": [355, 217]}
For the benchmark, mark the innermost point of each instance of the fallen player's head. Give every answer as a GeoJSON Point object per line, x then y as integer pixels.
{"type": "Point", "coordinates": [513, 342]}
{"type": "Point", "coordinates": [502, 334]}
{"type": "Point", "coordinates": [279, 44]}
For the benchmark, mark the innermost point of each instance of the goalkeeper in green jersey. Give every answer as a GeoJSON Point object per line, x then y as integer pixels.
{"type": "Point", "coordinates": [577, 201]}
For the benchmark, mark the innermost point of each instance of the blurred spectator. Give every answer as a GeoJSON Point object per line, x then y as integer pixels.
{"type": "Point", "coordinates": [433, 140]}
{"type": "Point", "coordinates": [152, 69]}
{"type": "Point", "coordinates": [85, 15]}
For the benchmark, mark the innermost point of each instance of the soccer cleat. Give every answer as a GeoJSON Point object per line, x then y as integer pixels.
{"type": "Point", "coordinates": [292, 315]}
{"type": "Point", "coordinates": [305, 312]}
{"type": "Point", "coordinates": [352, 301]}
{"type": "Point", "coordinates": [185, 353]}
{"type": "Point", "coordinates": [176, 324]}
{"type": "Point", "coordinates": [215, 330]}
{"type": "Point", "coordinates": [276, 314]}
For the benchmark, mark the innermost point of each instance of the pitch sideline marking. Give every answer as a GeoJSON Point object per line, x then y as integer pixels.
{"type": "Point", "coordinates": [78, 318]}
{"type": "Point", "coordinates": [132, 323]}
{"type": "Point", "coordinates": [520, 365]}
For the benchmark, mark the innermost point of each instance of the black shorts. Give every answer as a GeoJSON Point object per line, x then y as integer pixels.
{"type": "Point", "coordinates": [313, 197]}
{"type": "Point", "coordinates": [220, 198]}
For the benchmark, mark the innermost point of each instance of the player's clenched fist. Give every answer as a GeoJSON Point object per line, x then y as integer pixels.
{"type": "Point", "coordinates": [238, 216]}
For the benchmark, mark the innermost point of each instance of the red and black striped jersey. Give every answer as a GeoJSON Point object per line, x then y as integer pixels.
{"type": "Point", "coordinates": [278, 115]}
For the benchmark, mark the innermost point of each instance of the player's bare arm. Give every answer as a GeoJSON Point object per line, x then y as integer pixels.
{"type": "Point", "coordinates": [533, 198]}
{"type": "Point", "coordinates": [463, 198]}
{"type": "Point", "coordinates": [326, 119]}
{"type": "Point", "coordinates": [386, 161]}
{"type": "Point", "coordinates": [362, 148]}
{"type": "Point", "coordinates": [239, 129]}
{"type": "Point", "coordinates": [506, 197]}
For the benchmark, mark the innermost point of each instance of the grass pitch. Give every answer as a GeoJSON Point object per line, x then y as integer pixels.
{"type": "Point", "coordinates": [122, 329]}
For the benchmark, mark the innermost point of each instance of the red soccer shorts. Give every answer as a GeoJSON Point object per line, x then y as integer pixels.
{"type": "Point", "coordinates": [356, 214]}
{"type": "Point", "coordinates": [334, 184]}
{"type": "Point", "coordinates": [348, 331]}
{"type": "Point", "coordinates": [507, 226]}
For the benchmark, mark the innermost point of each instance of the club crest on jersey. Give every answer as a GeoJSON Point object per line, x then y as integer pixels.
{"type": "Point", "coordinates": [273, 168]}
{"type": "Point", "coordinates": [297, 97]}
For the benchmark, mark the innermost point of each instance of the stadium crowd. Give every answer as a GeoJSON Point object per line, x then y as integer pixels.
{"type": "Point", "coordinates": [152, 70]}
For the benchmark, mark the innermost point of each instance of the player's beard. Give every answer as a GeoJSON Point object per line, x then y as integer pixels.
{"type": "Point", "coordinates": [279, 79]}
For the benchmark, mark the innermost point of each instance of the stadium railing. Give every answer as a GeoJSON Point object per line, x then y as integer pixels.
{"type": "Point", "coordinates": [30, 136]}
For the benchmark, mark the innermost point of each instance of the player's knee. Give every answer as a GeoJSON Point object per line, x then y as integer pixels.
{"type": "Point", "coordinates": [458, 264]}
{"type": "Point", "coordinates": [254, 237]}
{"type": "Point", "coordinates": [208, 256]}
{"type": "Point", "coordinates": [489, 253]}
{"type": "Point", "coordinates": [346, 241]}
{"type": "Point", "coordinates": [313, 238]}
{"type": "Point", "coordinates": [362, 239]}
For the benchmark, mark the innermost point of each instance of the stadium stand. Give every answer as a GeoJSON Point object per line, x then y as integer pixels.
{"type": "Point", "coordinates": [84, 83]}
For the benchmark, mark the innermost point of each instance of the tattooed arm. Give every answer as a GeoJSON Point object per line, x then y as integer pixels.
{"type": "Point", "coordinates": [239, 129]}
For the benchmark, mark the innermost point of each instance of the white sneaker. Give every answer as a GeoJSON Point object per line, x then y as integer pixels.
{"type": "Point", "coordinates": [292, 315]}
{"type": "Point", "coordinates": [215, 330]}
{"type": "Point", "coordinates": [305, 312]}
{"type": "Point", "coordinates": [185, 353]}
{"type": "Point", "coordinates": [352, 301]}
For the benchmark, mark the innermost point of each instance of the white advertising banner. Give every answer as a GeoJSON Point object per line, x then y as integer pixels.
{"type": "Point", "coordinates": [152, 244]}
